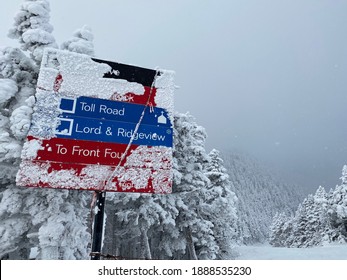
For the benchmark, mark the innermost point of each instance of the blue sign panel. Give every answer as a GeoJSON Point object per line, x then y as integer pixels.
{"type": "Point", "coordinates": [74, 127]}
{"type": "Point", "coordinates": [113, 110]}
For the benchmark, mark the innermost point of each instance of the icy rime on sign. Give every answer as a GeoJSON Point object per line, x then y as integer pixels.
{"type": "Point", "coordinates": [85, 133]}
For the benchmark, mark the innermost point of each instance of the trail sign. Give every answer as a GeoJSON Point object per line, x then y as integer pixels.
{"type": "Point", "coordinates": [99, 125]}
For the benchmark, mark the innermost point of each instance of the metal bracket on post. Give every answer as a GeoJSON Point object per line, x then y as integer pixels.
{"type": "Point", "coordinates": [98, 225]}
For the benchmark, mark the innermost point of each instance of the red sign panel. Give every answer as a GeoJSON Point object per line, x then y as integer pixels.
{"type": "Point", "coordinates": [99, 125]}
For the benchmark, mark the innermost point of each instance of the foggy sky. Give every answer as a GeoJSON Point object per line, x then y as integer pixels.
{"type": "Point", "coordinates": [266, 77]}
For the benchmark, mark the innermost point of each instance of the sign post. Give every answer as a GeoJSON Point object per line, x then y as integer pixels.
{"type": "Point", "coordinates": [98, 225]}
{"type": "Point", "coordinates": [99, 125]}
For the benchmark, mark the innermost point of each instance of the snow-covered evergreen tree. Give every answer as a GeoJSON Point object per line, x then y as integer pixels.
{"type": "Point", "coordinates": [32, 28]}
{"type": "Point", "coordinates": [81, 41]}
{"type": "Point", "coordinates": [306, 224]}
{"type": "Point", "coordinates": [53, 221]}
{"type": "Point", "coordinates": [327, 233]}
{"type": "Point", "coordinates": [142, 226]}
{"type": "Point", "coordinates": [17, 85]}
{"type": "Point", "coordinates": [338, 207]}
{"type": "Point", "coordinates": [310, 226]}
{"type": "Point", "coordinates": [167, 243]}
{"type": "Point", "coordinates": [191, 185]}
{"type": "Point", "coordinates": [135, 216]}
{"type": "Point", "coordinates": [220, 206]}
{"type": "Point", "coordinates": [321, 218]}
{"type": "Point", "coordinates": [280, 230]}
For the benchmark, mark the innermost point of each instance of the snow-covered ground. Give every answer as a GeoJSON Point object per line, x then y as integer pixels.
{"type": "Point", "coordinates": [266, 252]}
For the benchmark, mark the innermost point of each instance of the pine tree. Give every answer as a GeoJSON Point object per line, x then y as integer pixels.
{"type": "Point", "coordinates": [280, 230]}
{"type": "Point", "coordinates": [307, 224]}
{"type": "Point", "coordinates": [299, 223]}
{"type": "Point", "coordinates": [17, 86]}
{"type": "Point", "coordinates": [326, 231]}
{"type": "Point", "coordinates": [167, 242]}
{"type": "Point", "coordinates": [191, 185]}
{"type": "Point", "coordinates": [220, 206]}
{"type": "Point", "coordinates": [338, 208]}
{"type": "Point", "coordinates": [31, 25]}
{"type": "Point", "coordinates": [53, 221]}
{"type": "Point", "coordinates": [81, 41]}
{"type": "Point", "coordinates": [311, 225]}
{"type": "Point", "coordinates": [134, 217]}
{"type": "Point", "coordinates": [32, 28]}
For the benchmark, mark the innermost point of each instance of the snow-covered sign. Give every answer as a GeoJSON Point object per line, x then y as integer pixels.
{"type": "Point", "coordinates": [99, 125]}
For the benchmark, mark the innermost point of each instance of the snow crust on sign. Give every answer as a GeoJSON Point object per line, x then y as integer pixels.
{"type": "Point", "coordinates": [145, 164]}
{"type": "Point", "coordinates": [162, 181]}
{"type": "Point", "coordinates": [31, 148]}
{"type": "Point", "coordinates": [135, 178]}
{"type": "Point", "coordinates": [94, 177]}
{"type": "Point", "coordinates": [82, 76]}
{"type": "Point", "coordinates": [45, 116]}
{"type": "Point", "coordinates": [165, 89]}
{"type": "Point", "coordinates": [132, 177]}
{"type": "Point", "coordinates": [47, 78]}
{"type": "Point", "coordinates": [150, 157]}
{"type": "Point", "coordinates": [91, 177]}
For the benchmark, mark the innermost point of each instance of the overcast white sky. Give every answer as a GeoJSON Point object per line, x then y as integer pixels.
{"type": "Point", "coordinates": [264, 76]}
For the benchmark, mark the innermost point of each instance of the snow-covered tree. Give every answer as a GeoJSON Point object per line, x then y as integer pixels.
{"type": "Point", "coordinates": [326, 231]}
{"type": "Point", "coordinates": [312, 224]}
{"type": "Point", "coordinates": [280, 230]}
{"type": "Point", "coordinates": [17, 85]}
{"type": "Point", "coordinates": [142, 226]}
{"type": "Point", "coordinates": [306, 224]}
{"type": "Point", "coordinates": [81, 41]}
{"type": "Point", "coordinates": [220, 205]}
{"type": "Point", "coordinates": [32, 28]}
{"type": "Point", "coordinates": [191, 185]}
{"type": "Point", "coordinates": [321, 218]}
{"type": "Point", "coordinates": [338, 207]}
{"type": "Point", "coordinates": [53, 221]}
{"type": "Point", "coordinates": [135, 215]}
